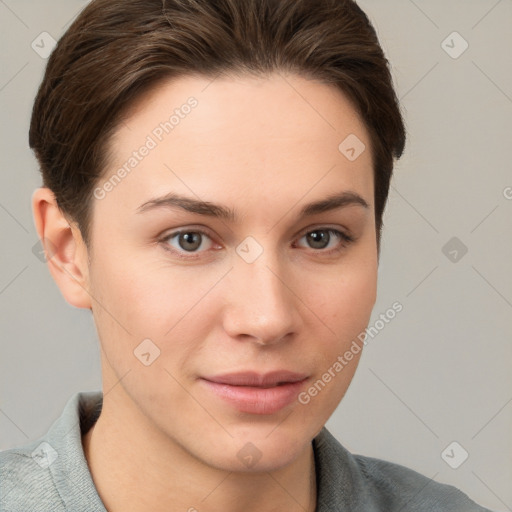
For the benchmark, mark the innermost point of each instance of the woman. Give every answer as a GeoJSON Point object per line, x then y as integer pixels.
{"type": "Point", "coordinates": [215, 175]}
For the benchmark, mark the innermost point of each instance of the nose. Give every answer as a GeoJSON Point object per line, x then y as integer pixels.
{"type": "Point", "coordinates": [260, 305]}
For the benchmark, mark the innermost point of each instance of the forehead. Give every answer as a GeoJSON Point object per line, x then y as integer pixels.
{"type": "Point", "coordinates": [229, 135]}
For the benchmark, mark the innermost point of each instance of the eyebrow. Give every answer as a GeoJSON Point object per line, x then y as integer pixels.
{"type": "Point", "coordinates": [172, 200]}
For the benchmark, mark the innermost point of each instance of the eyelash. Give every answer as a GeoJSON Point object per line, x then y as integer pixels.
{"type": "Point", "coordinates": [345, 239]}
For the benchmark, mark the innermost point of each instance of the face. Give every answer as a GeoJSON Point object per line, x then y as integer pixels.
{"type": "Point", "coordinates": [240, 243]}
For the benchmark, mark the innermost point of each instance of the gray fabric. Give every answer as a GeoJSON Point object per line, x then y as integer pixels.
{"type": "Point", "coordinates": [34, 481]}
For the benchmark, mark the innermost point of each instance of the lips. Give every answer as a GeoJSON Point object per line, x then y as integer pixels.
{"type": "Point", "coordinates": [255, 379]}
{"type": "Point", "coordinates": [255, 393]}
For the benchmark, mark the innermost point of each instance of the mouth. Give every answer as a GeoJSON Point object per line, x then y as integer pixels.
{"type": "Point", "coordinates": [256, 393]}
{"type": "Point", "coordinates": [254, 379]}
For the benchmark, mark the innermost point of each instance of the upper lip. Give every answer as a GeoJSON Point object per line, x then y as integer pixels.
{"type": "Point", "coordinates": [256, 379]}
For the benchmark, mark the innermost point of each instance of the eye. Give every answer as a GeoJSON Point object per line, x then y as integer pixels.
{"type": "Point", "coordinates": [188, 241]}
{"type": "Point", "coordinates": [328, 239]}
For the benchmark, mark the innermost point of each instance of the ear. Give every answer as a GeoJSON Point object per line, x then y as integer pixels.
{"type": "Point", "coordinates": [66, 253]}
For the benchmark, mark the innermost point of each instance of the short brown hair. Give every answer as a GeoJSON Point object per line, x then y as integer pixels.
{"type": "Point", "coordinates": [117, 49]}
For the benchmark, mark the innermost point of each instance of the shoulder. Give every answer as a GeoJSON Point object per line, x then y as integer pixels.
{"type": "Point", "coordinates": [26, 481]}
{"type": "Point", "coordinates": [360, 483]}
{"type": "Point", "coordinates": [50, 474]}
{"type": "Point", "coordinates": [407, 489]}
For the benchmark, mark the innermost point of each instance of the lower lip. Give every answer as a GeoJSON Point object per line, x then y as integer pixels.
{"type": "Point", "coordinates": [257, 400]}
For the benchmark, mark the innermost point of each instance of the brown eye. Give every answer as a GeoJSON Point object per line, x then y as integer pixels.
{"type": "Point", "coordinates": [190, 241]}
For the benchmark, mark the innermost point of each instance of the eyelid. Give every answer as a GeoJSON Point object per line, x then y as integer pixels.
{"type": "Point", "coordinates": [325, 227]}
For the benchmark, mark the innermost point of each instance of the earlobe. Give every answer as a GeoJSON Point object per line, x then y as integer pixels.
{"type": "Point", "coordinates": [66, 253]}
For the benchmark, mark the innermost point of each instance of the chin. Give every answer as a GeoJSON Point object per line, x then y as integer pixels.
{"type": "Point", "coordinates": [254, 458]}
{"type": "Point", "coordinates": [262, 448]}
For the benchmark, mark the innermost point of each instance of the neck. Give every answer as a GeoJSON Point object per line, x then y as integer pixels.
{"type": "Point", "coordinates": [136, 468]}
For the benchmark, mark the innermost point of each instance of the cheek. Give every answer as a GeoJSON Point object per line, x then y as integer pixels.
{"type": "Point", "coordinates": [355, 298]}
{"type": "Point", "coordinates": [149, 295]}
{"type": "Point", "coordinates": [344, 300]}
{"type": "Point", "coordinates": [344, 304]}
{"type": "Point", "coordinates": [152, 300]}
{"type": "Point", "coordinates": [344, 307]}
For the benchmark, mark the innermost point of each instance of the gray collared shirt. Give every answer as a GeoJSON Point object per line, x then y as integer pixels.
{"type": "Point", "coordinates": [51, 474]}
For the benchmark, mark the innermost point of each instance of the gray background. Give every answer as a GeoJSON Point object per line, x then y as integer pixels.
{"type": "Point", "coordinates": [440, 371]}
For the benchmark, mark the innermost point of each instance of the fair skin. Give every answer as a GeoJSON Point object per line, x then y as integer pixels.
{"type": "Point", "coordinates": [263, 148]}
